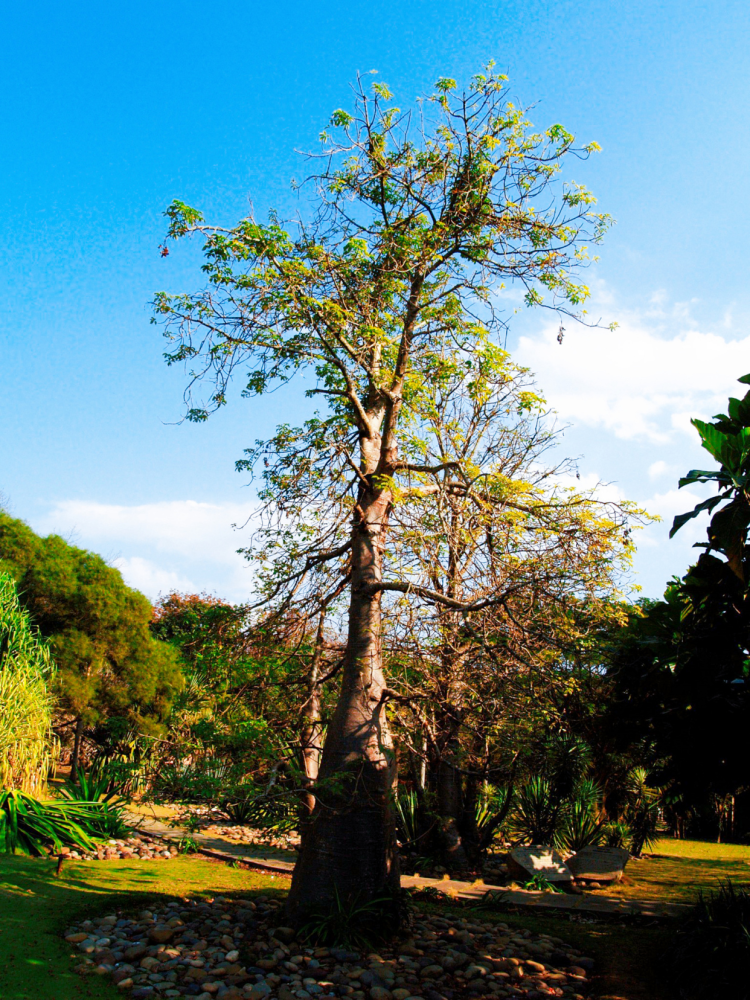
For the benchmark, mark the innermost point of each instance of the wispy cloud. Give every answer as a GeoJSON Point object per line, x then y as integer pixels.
{"type": "Point", "coordinates": [645, 379]}
{"type": "Point", "coordinates": [173, 545]}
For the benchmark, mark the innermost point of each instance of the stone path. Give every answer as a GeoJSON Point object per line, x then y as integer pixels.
{"type": "Point", "coordinates": [276, 861]}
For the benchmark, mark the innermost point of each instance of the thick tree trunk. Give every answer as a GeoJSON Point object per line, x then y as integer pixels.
{"type": "Point", "coordinates": [467, 823]}
{"type": "Point", "coordinates": [350, 849]}
{"type": "Point", "coordinates": [311, 734]}
{"type": "Point", "coordinates": [449, 800]}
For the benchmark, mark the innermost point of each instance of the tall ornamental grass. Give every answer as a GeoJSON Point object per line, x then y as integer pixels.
{"type": "Point", "coordinates": [26, 741]}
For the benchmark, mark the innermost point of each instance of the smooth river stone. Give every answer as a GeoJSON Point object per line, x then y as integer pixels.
{"type": "Point", "coordinates": [599, 864]}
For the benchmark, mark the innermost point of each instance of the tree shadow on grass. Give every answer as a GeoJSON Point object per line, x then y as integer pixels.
{"type": "Point", "coordinates": [36, 908]}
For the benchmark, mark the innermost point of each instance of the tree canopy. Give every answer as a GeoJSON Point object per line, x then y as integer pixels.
{"type": "Point", "coordinates": [108, 663]}
{"type": "Point", "coordinates": [389, 284]}
{"type": "Point", "coordinates": [682, 669]}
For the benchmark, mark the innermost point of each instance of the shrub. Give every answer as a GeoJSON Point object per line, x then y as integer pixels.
{"type": "Point", "coordinates": [35, 827]}
{"type": "Point", "coordinates": [26, 741]}
{"type": "Point", "coordinates": [536, 813]}
{"type": "Point", "coordinates": [581, 825]}
{"type": "Point", "coordinates": [617, 834]}
{"type": "Point", "coordinates": [99, 785]}
{"type": "Point", "coordinates": [204, 780]}
{"type": "Point", "coordinates": [247, 807]}
{"type": "Point", "coordinates": [351, 923]}
{"type": "Point", "coordinates": [407, 816]}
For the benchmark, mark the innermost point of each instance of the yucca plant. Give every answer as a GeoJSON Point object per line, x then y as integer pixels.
{"type": "Point", "coordinates": [491, 812]}
{"type": "Point", "coordinates": [581, 825]}
{"type": "Point", "coordinates": [99, 785]}
{"type": "Point", "coordinates": [535, 814]}
{"type": "Point", "coordinates": [240, 810]}
{"type": "Point", "coordinates": [27, 745]}
{"type": "Point", "coordinates": [407, 816]}
{"type": "Point", "coordinates": [617, 834]}
{"type": "Point", "coordinates": [349, 923]}
{"type": "Point", "coordinates": [36, 828]}
{"type": "Point", "coordinates": [248, 807]}
{"type": "Point", "coordinates": [642, 813]}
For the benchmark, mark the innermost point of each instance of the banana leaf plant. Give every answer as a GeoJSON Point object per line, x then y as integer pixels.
{"type": "Point", "coordinates": [726, 439]}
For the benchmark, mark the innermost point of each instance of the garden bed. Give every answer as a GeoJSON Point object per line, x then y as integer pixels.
{"type": "Point", "coordinates": [232, 949]}
{"type": "Point", "coordinates": [144, 848]}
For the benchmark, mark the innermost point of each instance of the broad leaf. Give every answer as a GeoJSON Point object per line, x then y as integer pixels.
{"type": "Point", "coordinates": [713, 440]}
{"type": "Point", "coordinates": [704, 476]}
{"type": "Point", "coordinates": [684, 518]}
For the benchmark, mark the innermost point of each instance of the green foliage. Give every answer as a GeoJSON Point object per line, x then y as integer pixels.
{"type": "Point", "coordinates": [681, 669]}
{"type": "Point", "coordinates": [581, 825]}
{"type": "Point", "coordinates": [491, 812]}
{"type": "Point", "coordinates": [539, 883]}
{"type": "Point", "coordinates": [643, 812]}
{"type": "Point", "coordinates": [100, 784]}
{"type": "Point", "coordinates": [407, 816]}
{"type": "Point", "coordinates": [277, 814]}
{"type": "Point", "coordinates": [187, 845]}
{"type": "Point", "coordinates": [108, 664]}
{"type": "Point", "coordinates": [35, 827]}
{"type": "Point", "coordinates": [713, 949]}
{"type": "Point", "coordinates": [727, 440]}
{"type": "Point", "coordinates": [202, 781]}
{"type": "Point", "coordinates": [350, 923]}
{"type": "Point", "coordinates": [536, 811]}
{"type": "Point", "coordinates": [617, 834]}
{"type": "Point", "coordinates": [26, 741]}
{"type": "Point", "coordinates": [559, 805]}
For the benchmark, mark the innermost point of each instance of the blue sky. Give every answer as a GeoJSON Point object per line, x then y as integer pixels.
{"type": "Point", "coordinates": [112, 110]}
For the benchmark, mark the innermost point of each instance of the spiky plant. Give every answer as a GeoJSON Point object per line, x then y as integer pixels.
{"type": "Point", "coordinates": [27, 746]}
{"type": "Point", "coordinates": [581, 825]}
{"type": "Point", "coordinates": [642, 813]}
{"type": "Point", "coordinates": [35, 827]}
{"type": "Point", "coordinates": [535, 816]}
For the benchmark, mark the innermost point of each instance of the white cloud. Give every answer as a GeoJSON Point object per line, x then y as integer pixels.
{"type": "Point", "coordinates": [151, 579]}
{"type": "Point", "coordinates": [642, 380]}
{"type": "Point", "coordinates": [158, 547]}
{"type": "Point", "coordinates": [659, 469]}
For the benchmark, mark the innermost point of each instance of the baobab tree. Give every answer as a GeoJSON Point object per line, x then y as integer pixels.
{"type": "Point", "coordinates": [417, 220]}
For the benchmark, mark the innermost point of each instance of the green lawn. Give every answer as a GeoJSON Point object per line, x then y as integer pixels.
{"type": "Point", "coordinates": [676, 869]}
{"type": "Point", "coordinates": [36, 908]}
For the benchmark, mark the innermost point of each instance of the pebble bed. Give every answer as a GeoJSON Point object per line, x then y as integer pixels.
{"type": "Point", "coordinates": [251, 835]}
{"type": "Point", "coordinates": [221, 949]}
{"type": "Point", "coordinates": [144, 848]}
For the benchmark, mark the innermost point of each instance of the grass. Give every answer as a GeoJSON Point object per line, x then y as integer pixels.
{"type": "Point", "coordinates": [36, 908]}
{"type": "Point", "coordinates": [677, 869]}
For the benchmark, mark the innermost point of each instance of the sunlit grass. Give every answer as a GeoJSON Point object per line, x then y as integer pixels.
{"type": "Point", "coordinates": [36, 907]}
{"type": "Point", "coordinates": [677, 870]}
{"type": "Point", "coordinates": [702, 849]}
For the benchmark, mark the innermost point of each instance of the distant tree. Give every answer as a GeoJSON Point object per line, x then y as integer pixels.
{"type": "Point", "coordinates": [263, 675]}
{"type": "Point", "coordinates": [108, 663]}
{"type": "Point", "coordinates": [418, 221]}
